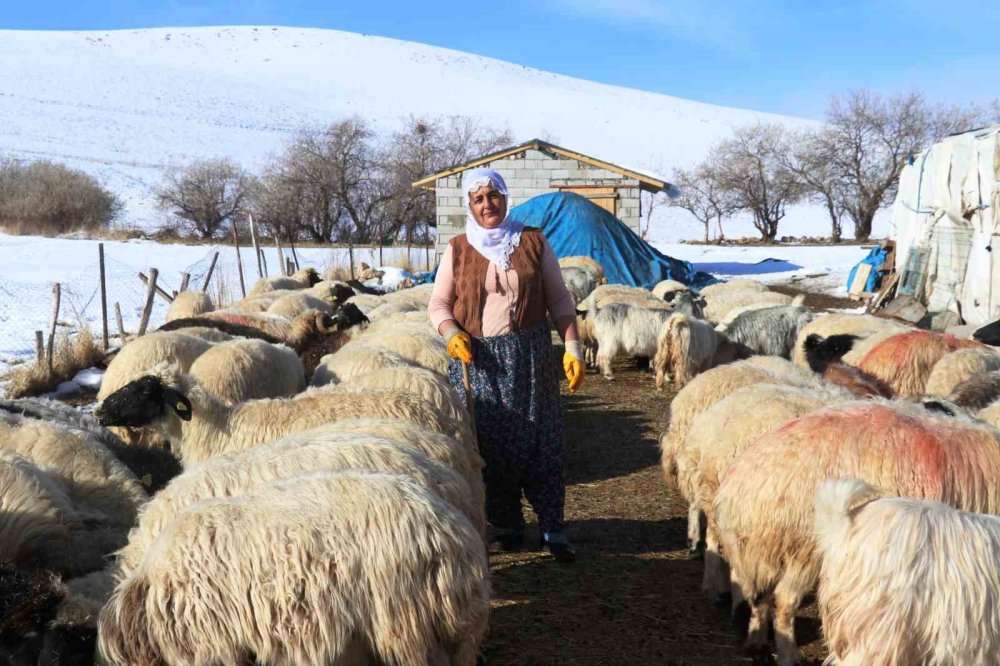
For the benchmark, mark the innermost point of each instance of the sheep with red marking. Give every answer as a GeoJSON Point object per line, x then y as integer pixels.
{"type": "Point", "coordinates": [867, 330]}
{"type": "Point", "coordinates": [904, 362]}
{"type": "Point", "coordinates": [701, 393]}
{"type": "Point", "coordinates": [764, 505]}
{"type": "Point", "coordinates": [720, 433]}
{"type": "Point", "coordinates": [906, 581]}
{"type": "Point", "coordinates": [825, 357]}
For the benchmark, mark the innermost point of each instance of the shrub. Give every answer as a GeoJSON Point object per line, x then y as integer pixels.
{"type": "Point", "coordinates": [48, 198]}
{"type": "Point", "coordinates": [69, 356]}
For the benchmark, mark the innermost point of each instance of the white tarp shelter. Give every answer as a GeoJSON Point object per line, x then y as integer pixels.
{"type": "Point", "coordinates": [947, 226]}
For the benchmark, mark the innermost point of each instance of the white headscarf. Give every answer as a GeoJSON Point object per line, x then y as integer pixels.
{"type": "Point", "coordinates": [495, 244]}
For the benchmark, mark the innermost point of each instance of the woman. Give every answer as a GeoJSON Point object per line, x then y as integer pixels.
{"type": "Point", "coordinates": [494, 287]}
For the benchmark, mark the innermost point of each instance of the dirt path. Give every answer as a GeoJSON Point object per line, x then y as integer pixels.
{"type": "Point", "coordinates": [633, 596]}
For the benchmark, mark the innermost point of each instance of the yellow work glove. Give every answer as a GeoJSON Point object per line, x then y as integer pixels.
{"type": "Point", "coordinates": [573, 365]}
{"type": "Point", "coordinates": [459, 345]}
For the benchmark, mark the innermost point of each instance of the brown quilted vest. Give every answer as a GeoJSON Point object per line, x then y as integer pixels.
{"type": "Point", "coordinates": [469, 268]}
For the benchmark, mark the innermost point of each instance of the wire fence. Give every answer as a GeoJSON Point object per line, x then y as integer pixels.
{"type": "Point", "coordinates": [26, 307]}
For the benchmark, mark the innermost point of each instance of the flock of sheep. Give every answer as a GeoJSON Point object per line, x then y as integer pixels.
{"type": "Point", "coordinates": [845, 450]}
{"type": "Point", "coordinates": [336, 522]}
{"type": "Point", "coordinates": [330, 508]}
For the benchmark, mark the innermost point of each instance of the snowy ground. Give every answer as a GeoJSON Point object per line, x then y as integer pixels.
{"type": "Point", "coordinates": [33, 264]}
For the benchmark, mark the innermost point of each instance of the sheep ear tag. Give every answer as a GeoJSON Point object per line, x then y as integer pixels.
{"type": "Point", "coordinates": [180, 404]}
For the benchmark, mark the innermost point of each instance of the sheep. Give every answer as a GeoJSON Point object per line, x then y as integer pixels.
{"type": "Point", "coordinates": [152, 466]}
{"type": "Point", "coordinates": [300, 279]}
{"type": "Point", "coordinates": [424, 349]}
{"type": "Point", "coordinates": [719, 303]}
{"type": "Point", "coordinates": [354, 359]}
{"type": "Point", "coordinates": [361, 288]}
{"type": "Point", "coordinates": [768, 331]}
{"type": "Point", "coordinates": [249, 369]}
{"type": "Point", "coordinates": [411, 583]}
{"type": "Point", "coordinates": [977, 391]}
{"type": "Point", "coordinates": [40, 528]}
{"type": "Point", "coordinates": [628, 329]}
{"type": "Point", "coordinates": [215, 330]}
{"type": "Point", "coordinates": [958, 366]}
{"type": "Point", "coordinates": [392, 309]}
{"type": "Point", "coordinates": [667, 290]}
{"type": "Point", "coordinates": [587, 263]}
{"type": "Point", "coordinates": [685, 347]}
{"type": "Point", "coordinates": [701, 393]}
{"type": "Point", "coordinates": [579, 282]}
{"type": "Point", "coordinates": [294, 304]}
{"type": "Point", "coordinates": [719, 434]}
{"type": "Point", "coordinates": [147, 351]}
{"type": "Point", "coordinates": [824, 356]}
{"type": "Point", "coordinates": [298, 333]}
{"type": "Point", "coordinates": [687, 302]}
{"type": "Point", "coordinates": [102, 490]}
{"type": "Point", "coordinates": [905, 581]}
{"type": "Point", "coordinates": [868, 329]}
{"type": "Point", "coordinates": [367, 273]}
{"type": "Point", "coordinates": [202, 426]}
{"type": "Point", "coordinates": [905, 361]}
{"type": "Point", "coordinates": [189, 304]}
{"type": "Point", "coordinates": [733, 285]}
{"type": "Point", "coordinates": [619, 293]}
{"type": "Point", "coordinates": [764, 505]}
{"type": "Point", "coordinates": [991, 414]}
{"type": "Point", "coordinates": [366, 302]}
{"type": "Point", "coordinates": [402, 322]}
{"type": "Point", "coordinates": [429, 385]}
{"type": "Point", "coordinates": [421, 295]}
{"type": "Point", "coordinates": [243, 472]}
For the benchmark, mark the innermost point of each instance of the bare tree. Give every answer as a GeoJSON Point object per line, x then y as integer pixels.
{"type": "Point", "coordinates": [868, 139]}
{"type": "Point", "coordinates": [466, 138]}
{"type": "Point", "coordinates": [704, 196]}
{"type": "Point", "coordinates": [751, 167]}
{"type": "Point", "coordinates": [205, 194]}
{"type": "Point", "coordinates": [809, 160]}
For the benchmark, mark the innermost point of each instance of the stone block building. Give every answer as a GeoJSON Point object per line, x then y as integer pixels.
{"type": "Point", "coordinates": [538, 167]}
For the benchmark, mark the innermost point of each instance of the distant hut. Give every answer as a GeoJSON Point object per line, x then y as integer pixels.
{"type": "Point", "coordinates": [538, 167]}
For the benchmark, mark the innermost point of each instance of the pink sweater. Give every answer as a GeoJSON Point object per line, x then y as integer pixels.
{"type": "Point", "coordinates": [496, 303]}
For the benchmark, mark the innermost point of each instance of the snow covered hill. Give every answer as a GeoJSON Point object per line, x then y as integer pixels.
{"type": "Point", "coordinates": [125, 105]}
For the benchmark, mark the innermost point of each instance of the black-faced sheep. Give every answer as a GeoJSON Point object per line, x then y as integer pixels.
{"type": "Point", "coordinates": [250, 577]}
{"type": "Point", "coordinates": [824, 356]}
{"type": "Point", "coordinates": [867, 329]}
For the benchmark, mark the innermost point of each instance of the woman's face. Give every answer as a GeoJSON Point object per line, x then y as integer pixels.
{"type": "Point", "coordinates": [488, 206]}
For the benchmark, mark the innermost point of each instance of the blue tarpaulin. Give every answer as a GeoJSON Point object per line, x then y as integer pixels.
{"type": "Point", "coordinates": [575, 226]}
{"type": "Point", "coordinates": [875, 258]}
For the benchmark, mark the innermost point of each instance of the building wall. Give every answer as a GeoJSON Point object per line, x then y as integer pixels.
{"type": "Point", "coordinates": [529, 174]}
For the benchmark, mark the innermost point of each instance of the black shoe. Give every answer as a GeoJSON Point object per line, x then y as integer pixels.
{"type": "Point", "coordinates": [560, 547]}
{"type": "Point", "coordinates": [509, 541]}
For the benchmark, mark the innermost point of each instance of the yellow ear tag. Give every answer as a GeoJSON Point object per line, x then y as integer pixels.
{"type": "Point", "coordinates": [181, 407]}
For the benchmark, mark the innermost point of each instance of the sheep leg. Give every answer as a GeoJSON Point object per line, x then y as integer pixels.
{"type": "Point", "coordinates": [695, 544]}
{"type": "Point", "coordinates": [760, 618]}
{"type": "Point", "coordinates": [715, 582]}
{"type": "Point", "coordinates": [786, 603]}
{"type": "Point", "coordinates": [604, 363]}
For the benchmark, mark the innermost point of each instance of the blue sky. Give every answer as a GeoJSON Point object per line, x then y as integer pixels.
{"type": "Point", "coordinates": [786, 57]}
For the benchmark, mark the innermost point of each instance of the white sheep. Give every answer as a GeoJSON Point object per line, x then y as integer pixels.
{"type": "Point", "coordinates": [665, 290]}
{"type": "Point", "coordinates": [742, 284]}
{"type": "Point", "coordinates": [366, 302]}
{"type": "Point", "coordinates": [424, 349]}
{"type": "Point", "coordinates": [906, 581]}
{"type": "Point", "coordinates": [147, 351]}
{"type": "Point", "coordinates": [102, 490]}
{"type": "Point", "coordinates": [202, 426]}
{"type": "Point", "coordinates": [869, 330]}
{"type": "Point", "coordinates": [579, 282]}
{"type": "Point", "coordinates": [243, 370]}
{"type": "Point", "coordinates": [428, 385]}
{"type": "Point", "coordinates": [626, 329]}
{"type": "Point", "coordinates": [40, 528]}
{"type": "Point", "coordinates": [328, 568]}
{"type": "Point", "coordinates": [587, 263]}
{"type": "Point", "coordinates": [243, 472]}
{"type": "Point", "coordinates": [294, 304]}
{"type": "Point", "coordinates": [685, 347]}
{"type": "Point", "coordinates": [354, 359]}
{"type": "Point", "coordinates": [718, 304]}
{"type": "Point", "coordinates": [619, 293]}
{"type": "Point", "coordinates": [958, 366]}
{"type": "Point", "coordinates": [300, 279]}
{"type": "Point", "coordinates": [189, 304]}
{"type": "Point", "coordinates": [391, 309]}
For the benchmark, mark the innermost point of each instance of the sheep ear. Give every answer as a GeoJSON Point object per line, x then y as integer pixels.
{"type": "Point", "coordinates": [178, 402]}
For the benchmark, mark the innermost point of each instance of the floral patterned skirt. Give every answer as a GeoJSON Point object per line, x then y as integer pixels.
{"type": "Point", "coordinates": [519, 422]}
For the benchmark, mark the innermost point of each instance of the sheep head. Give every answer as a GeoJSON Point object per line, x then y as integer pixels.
{"type": "Point", "coordinates": [821, 352]}
{"type": "Point", "coordinates": [143, 402]}
{"type": "Point", "coordinates": [308, 276]}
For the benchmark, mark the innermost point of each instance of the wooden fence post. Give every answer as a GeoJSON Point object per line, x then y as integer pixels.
{"type": "Point", "coordinates": [56, 298]}
{"type": "Point", "coordinates": [164, 295]}
{"type": "Point", "coordinates": [40, 348]}
{"type": "Point", "coordinates": [121, 325]}
{"type": "Point", "coordinates": [261, 257]}
{"type": "Point", "coordinates": [148, 307]}
{"type": "Point", "coordinates": [256, 247]}
{"type": "Point", "coordinates": [185, 279]}
{"type": "Point", "coordinates": [291, 242]}
{"type": "Point", "coordinates": [239, 260]}
{"type": "Point", "coordinates": [282, 266]}
{"type": "Point", "coordinates": [104, 298]}
{"type": "Point", "coordinates": [208, 276]}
